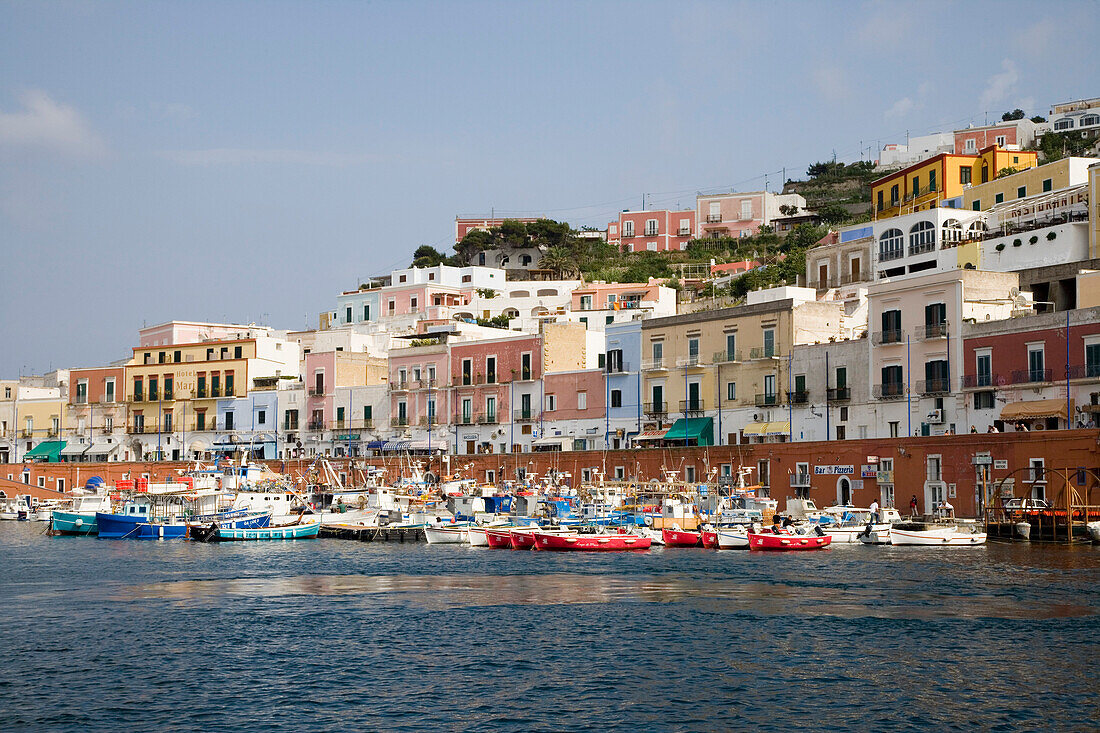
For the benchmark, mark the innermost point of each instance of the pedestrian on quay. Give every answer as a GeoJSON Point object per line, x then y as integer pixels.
{"type": "Point", "coordinates": [973, 428]}
{"type": "Point", "coordinates": [913, 506]}
{"type": "Point", "coordinates": [992, 429]}
{"type": "Point", "coordinates": [874, 511]}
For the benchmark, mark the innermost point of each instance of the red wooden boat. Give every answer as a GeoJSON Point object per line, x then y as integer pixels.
{"type": "Point", "coordinates": [680, 538]}
{"type": "Point", "coordinates": [784, 542]}
{"type": "Point", "coordinates": [522, 540]}
{"type": "Point", "coordinates": [710, 539]}
{"type": "Point", "coordinates": [499, 539]}
{"type": "Point", "coordinates": [591, 542]}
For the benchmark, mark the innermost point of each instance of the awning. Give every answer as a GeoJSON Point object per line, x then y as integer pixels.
{"type": "Point", "coordinates": [49, 451]}
{"type": "Point", "coordinates": [756, 428]}
{"type": "Point", "coordinates": [422, 445]}
{"type": "Point", "coordinates": [650, 435]}
{"type": "Point", "coordinates": [767, 428]}
{"type": "Point", "coordinates": [198, 444]}
{"type": "Point", "coordinates": [101, 448]}
{"type": "Point", "coordinates": [1033, 409]}
{"type": "Point", "coordinates": [374, 445]}
{"type": "Point", "coordinates": [552, 440]}
{"type": "Point", "coordinates": [692, 428]}
{"type": "Point", "coordinates": [74, 448]}
{"type": "Point", "coordinates": [396, 445]}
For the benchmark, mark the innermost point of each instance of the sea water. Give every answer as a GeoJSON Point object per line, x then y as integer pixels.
{"type": "Point", "coordinates": [337, 635]}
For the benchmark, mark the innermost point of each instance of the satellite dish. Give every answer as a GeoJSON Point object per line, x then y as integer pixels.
{"type": "Point", "coordinates": [1019, 301]}
{"type": "Point", "coordinates": [1014, 292]}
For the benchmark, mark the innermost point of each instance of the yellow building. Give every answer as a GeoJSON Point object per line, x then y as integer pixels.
{"type": "Point", "coordinates": [925, 185]}
{"type": "Point", "coordinates": [39, 422]}
{"type": "Point", "coordinates": [1094, 211]}
{"type": "Point", "coordinates": [1029, 182]}
{"type": "Point", "coordinates": [699, 364]}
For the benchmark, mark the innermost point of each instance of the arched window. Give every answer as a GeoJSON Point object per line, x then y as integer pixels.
{"type": "Point", "coordinates": [1065, 123]}
{"type": "Point", "coordinates": [1089, 120]}
{"type": "Point", "coordinates": [952, 232]}
{"type": "Point", "coordinates": [519, 294]}
{"type": "Point", "coordinates": [547, 293]}
{"type": "Point", "coordinates": [922, 237]}
{"type": "Point", "coordinates": [524, 260]}
{"type": "Point", "coordinates": [976, 230]}
{"type": "Point", "coordinates": [511, 313]}
{"type": "Point", "coordinates": [891, 245]}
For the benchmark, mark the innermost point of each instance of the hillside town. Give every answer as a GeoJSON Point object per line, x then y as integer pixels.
{"type": "Point", "coordinates": [965, 298]}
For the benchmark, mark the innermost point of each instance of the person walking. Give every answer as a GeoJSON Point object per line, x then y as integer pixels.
{"type": "Point", "coordinates": [874, 511]}
{"type": "Point", "coordinates": [913, 506]}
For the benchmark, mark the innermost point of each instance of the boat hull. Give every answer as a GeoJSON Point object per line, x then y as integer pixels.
{"type": "Point", "coordinates": [852, 535]}
{"type": "Point", "coordinates": [732, 539]}
{"type": "Point", "coordinates": [307, 531]}
{"type": "Point", "coordinates": [940, 537]}
{"type": "Point", "coordinates": [74, 523]}
{"type": "Point", "coordinates": [709, 540]}
{"type": "Point", "coordinates": [118, 526]}
{"type": "Point", "coordinates": [445, 535]}
{"type": "Point", "coordinates": [787, 542]}
{"type": "Point", "coordinates": [591, 543]}
{"type": "Point", "coordinates": [680, 538]}
{"type": "Point", "coordinates": [477, 537]}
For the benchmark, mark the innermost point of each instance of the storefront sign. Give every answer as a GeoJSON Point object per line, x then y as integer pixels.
{"type": "Point", "coordinates": [868, 472]}
{"type": "Point", "coordinates": [1000, 465]}
{"type": "Point", "coordinates": [834, 470]}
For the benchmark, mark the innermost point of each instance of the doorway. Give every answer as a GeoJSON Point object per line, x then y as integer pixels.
{"type": "Point", "coordinates": [844, 491]}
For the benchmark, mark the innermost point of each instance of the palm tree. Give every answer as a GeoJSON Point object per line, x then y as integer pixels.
{"type": "Point", "coordinates": [560, 261]}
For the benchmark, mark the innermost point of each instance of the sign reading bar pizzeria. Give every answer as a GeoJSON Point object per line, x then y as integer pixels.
{"type": "Point", "coordinates": [834, 470]}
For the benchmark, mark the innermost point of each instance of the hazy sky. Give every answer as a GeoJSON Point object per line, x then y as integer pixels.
{"type": "Point", "coordinates": [247, 161]}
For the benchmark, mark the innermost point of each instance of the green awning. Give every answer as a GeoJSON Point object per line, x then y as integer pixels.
{"type": "Point", "coordinates": [697, 429]}
{"type": "Point", "coordinates": [49, 451]}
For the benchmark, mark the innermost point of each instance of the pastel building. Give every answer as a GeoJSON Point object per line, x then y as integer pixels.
{"type": "Point", "coordinates": [1010, 135]}
{"type": "Point", "coordinates": [923, 241]}
{"type": "Point", "coordinates": [598, 305]}
{"type": "Point", "coordinates": [189, 332]}
{"type": "Point", "coordinates": [741, 214]}
{"type": "Point", "coordinates": [1081, 116]}
{"type": "Point", "coordinates": [624, 382]}
{"type": "Point", "coordinates": [331, 379]}
{"type": "Point", "coordinates": [96, 415]}
{"type": "Point", "coordinates": [916, 149]}
{"type": "Point", "coordinates": [652, 231]}
{"type": "Point", "coordinates": [574, 411]}
{"type": "Point", "coordinates": [465, 225]}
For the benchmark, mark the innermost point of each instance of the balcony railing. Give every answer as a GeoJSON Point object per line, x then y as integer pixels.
{"type": "Point", "coordinates": [399, 422]}
{"type": "Point", "coordinates": [886, 255]}
{"type": "Point", "coordinates": [767, 399]}
{"type": "Point", "coordinates": [314, 391]}
{"type": "Point", "coordinates": [215, 391]}
{"type": "Point", "coordinates": [859, 277]}
{"type": "Point", "coordinates": [839, 394]}
{"type": "Point", "coordinates": [890, 391]}
{"type": "Point", "coordinates": [200, 393]}
{"type": "Point", "coordinates": [168, 395]}
{"type": "Point", "coordinates": [1025, 376]}
{"type": "Point", "coordinates": [798, 398]}
{"type": "Point", "coordinates": [683, 232]}
{"type": "Point", "coordinates": [800, 480]}
{"type": "Point", "coordinates": [689, 361]}
{"type": "Point", "coordinates": [692, 407]}
{"type": "Point", "coordinates": [136, 428]}
{"type": "Point", "coordinates": [934, 386]}
{"type": "Point", "coordinates": [466, 419]}
{"type": "Point", "coordinates": [399, 386]}
{"type": "Point", "coordinates": [25, 433]}
{"type": "Point", "coordinates": [655, 408]}
{"type": "Point", "coordinates": [105, 400]}
{"type": "Point", "coordinates": [932, 331]}
{"type": "Point", "coordinates": [714, 218]}
{"type": "Point", "coordinates": [1084, 371]}
{"type": "Point", "coordinates": [524, 415]}
{"type": "Point", "coordinates": [721, 357]}
{"type": "Point", "coordinates": [489, 419]}
{"type": "Point", "coordinates": [919, 249]}
{"type": "Point", "coordinates": [654, 365]}
{"type": "Point", "coordinates": [918, 192]}
{"type": "Point", "coordinates": [979, 380]}
{"type": "Point", "coordinates": [315, 425]}
{"type": "Point", "coordinates": [763, 352]}
{"type": "Point", "coordinates": [890, 336]}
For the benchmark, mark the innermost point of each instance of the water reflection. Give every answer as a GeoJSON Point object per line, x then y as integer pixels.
{"type": "Point", "coordinates": [446, 592]}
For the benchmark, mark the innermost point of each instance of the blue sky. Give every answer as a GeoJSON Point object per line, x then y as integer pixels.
{"type": "Point", "coordinates": [247, 161]}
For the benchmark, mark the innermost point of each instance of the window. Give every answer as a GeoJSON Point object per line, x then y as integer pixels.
{"type": "Point", "coordinates": [1089, 120]}
{"type": "Point", "coordinates": [582, 400]}
{"type": "Point", "coordinates": [137, 389]}
{"type": "Point", "coordinates": [952, 231]}
{"type": "Point", "coordinates": [934, 468]}
{"type": "Point", "coordinates": [892, 385]}
{"type": "Point", "coordinates": [731, 346]}
{"type": "Point", "coordinates": [964, 174]}
{"type": "Point", "coordinates": [168, 422]}
{"type": "Point", "coordinates": [984, 370]}
{"type": "Point", "coordinates": [551, 403]}
{"type": "Point", "coordinates": [347, 315]}
{"type": "Point", "coordinates": [413, 303]}
{"type": "Point", "coordinates": [160, 358]}
{"type": "Point", "coordinates": [998, 198]}
{"type": "Point", "coordinates": [658, 352]}
{"type": "Point", "coordinates": [842, 377]}
{"type": "Point", "coordinates": [228, 421]}
{"type": "Point", "coordinates": [922, 238]}
{"type": "Point", "coordinates": [976, 205]}
{"type": "Point", "coordinates": [525, 366]}
{"type": "Point", "coordinates": [894, 195]}
{"type": "Point", "coordinates": [1035, 364]}
{"type": "Point", "coordinates": [880, 206]}
{"type": "Point", "coordinates": [731, 391]}
{"type": "Point", "coordinates": [491, 409]}
{"type": "Point", "coordinates": [1063, 124]}
{"type": "Point", "coordinates": [769, 343]}
{"type": "Point", "coordinates": [216, 384]}
{"type": "Point", "coordinates": [746, 209]}
{"type": "Point", "coordinates": [628, 228]}
{"type": "Point", "coordinates": [467, 410]}
{"type": "Point", "coordinates": [1092, 360]}
{"type": "Point", "coordinates": [467, 371]}
{"type": "Point", "coordinates": [82, 392]}
{"type": "Point", "coordinates": [769, 387]}
{"type": "Point", "coordinates": [983, 400]}
{"type": "Point", "coordinates": [491, 370]}
{"type": "Point", "coordinates": [154, 394]}
{"type": "Point", "coordinates": [1048, 184]}
{"type": "Point", "coordinates": [985, 172]}
{"type": "Point", "coordinates": [891, 245]}
{"type": "Point", "coordinates": [1021, 192]}
{"type": "Point", "coordinates": [616, 398]}
{"type": "Point", "coordinates": [1001, 141]}
{"type": "Point", "coordinates": [931, 180]}
{"type": "Point", "coordinates": [651, 227]}
{"type": "Point", "coordinates": [229, 384]}
{"type": "Point", "coordinates": [693, 350]}
{"type": "Point", "coordinates": [935, 320]}
{"type": "Point", "coordinates": [891, 327]}
{"type": "Point", "coordinates": [971, 145]}
{"type": "Point", "coordinates": [894, 428]}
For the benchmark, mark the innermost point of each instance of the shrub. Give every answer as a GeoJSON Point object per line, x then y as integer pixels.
{"type": "Point", "coordinates": [1016, 243]}
{"type": "Point", "coordinates": [1033, 239]}
{"type": "Point", "coordinates": [1051, 236]}
{"type": "Point", "coordinates": [1001, 246]}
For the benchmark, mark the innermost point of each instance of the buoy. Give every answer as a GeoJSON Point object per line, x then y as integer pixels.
{"type": "Point", "coordinates": [78, 523]}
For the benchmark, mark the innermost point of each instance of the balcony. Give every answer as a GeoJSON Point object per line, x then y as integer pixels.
{"type": "Point", "coordinates": [525, 375]}
{"type": "Point", "coordinates": [934, 386]}
{"type": "Point", "coordinates": [891, 336]}
{"type": "Point", "coordinates": [628, 234]}
{"type": "Point", "coordinates": [714, 218]}
{"type": "Point", "coordinates": [798, 398]}
{"type": "Point", "coordinates": [465, 419]}
{"type": "Point", "coordinates": [692, 408]}
{"type": "Point", "coordinates": [215, 391]}
{"type": "Point", "coordinates": [683, 232]}
{"type": "Point", "coordinates": [168, 395]}
{"type": "Point", "coordinates": [859, 277]}
{"type": "Point", "coordinates": [800, 480]}
{"type": "Point", "coordinates": [524, 415]}
{"type": "Point", "coordinates": [767, 399]}
{"type": "Point", "coordinates": [25, 433]}
{"type": "Point", "coordinates": [922, 248]}
{"type": "Point", "coordinates": [932, 331]}
{"type": "Point", "coordinates": [200, 393]}
{"type": "Point", "coordinates": [890, 391]}
{"type": "Point", "coordinates": [763, 352]}
{"type": "Point", "coordinates": [654, 365]}
{"type": "Point", "coordinates": [318, 390]}
{"type": "Point", "coordinates": [1030, 376]}
{"type": "Point", "coordinates": [655, 408]}
{"type": "Point", "coordinates": [725, 357]}
{"type": "Point", "coordinates": [1084, 371]}
{"type": "Point", "coordinates": [490, 419]}
{"type": "Point", "coordinates": [315, 425]}
{"type": "Point", "coordinates": [399, 422]}
{"type": "Point", "coordinates": [689, 361]}
{"type": "Point", "coordinates": [839, 394]}
{"type": "Point", "coordinates": [400, 385]}
{"type": "Point", "coordinates": [135, 428]}
{"type": "Point", "coordinates": [885, 477]}
{"type": "Point", "coordinates": [651, 233]}
{"type": "Point", "coordinates": [918, 192]}
{"type": "Point", "coordinates": [53, 433]}
{"type": "Point", "coordinates": [979, 380]}
{"type": "Point", "coordinates": [137, 397]}
{"type": "Point", "coordinates": [107, 400]}
{"type": "Point", "coordinates": [886, 255]}
{"type": "Point", "coordinates": [81, 399]}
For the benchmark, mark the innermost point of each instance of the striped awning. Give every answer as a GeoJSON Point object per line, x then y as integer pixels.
{"type": "Point", "coordinates": [1033, 410]}
{"type": "Point", "coordinates": [650, 435]}
{"type": "Point", "coordinates": [767, 428]}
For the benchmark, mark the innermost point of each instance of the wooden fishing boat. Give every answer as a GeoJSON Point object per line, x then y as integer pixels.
{"type": "Point", "coordinates": [452, 535]}
{"type": "Point", "coordinates": [709, 538]}
{"type": "Point", "coordinates": [522, 539]}
{"type": "Point", "coordinates": [681, 538]}
{"type": "Point", "coordinates": [785, 542]}
{"type": "Point", "coordinates": [930, 533]}
{"type": "Point", "coordinates": [591, 542]}
{"type": "Point", "coordinates": [733, 538]}
{"type": "Point", "coordinates": [499, 539]}
{"type": "Point", "coordinates": [301, 530]}
{"type": "Point", "coordinates": [477, 537]}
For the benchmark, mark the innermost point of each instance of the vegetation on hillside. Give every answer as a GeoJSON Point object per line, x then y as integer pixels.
{"type": "Point", "coordinates": [1057, 145]}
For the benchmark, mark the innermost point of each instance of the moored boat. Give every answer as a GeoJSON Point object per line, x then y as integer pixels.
{"type": "Point", "coordinates": [709, 539]}
{"type": "Point", "coordinates": [680, 538]}
{"type": "Point", "coordinates": [732, 538]}
{"type": "Point", "coordinates": [590, 542]}
{"type": "Point", "coordinates": [932, 533]}
{"type": "Point", "coordinates": [298, 531]}
{"type": "Point", "coordinates": [477, 537]}
{"type": "Point", "coordinates": [784, 542]}
{"type": "Point", "coordinates": [498, 539]}
{"type": "Point", "coordinates": [452, 535]}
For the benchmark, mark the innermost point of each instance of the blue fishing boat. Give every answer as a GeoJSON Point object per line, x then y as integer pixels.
{"type": "Point", "coordinates": [138, 522]}
{"type": "Point", "coordinates": [80, 519]}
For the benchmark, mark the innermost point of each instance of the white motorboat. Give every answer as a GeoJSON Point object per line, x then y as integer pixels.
{"type": "Point", "coordinates": [1094, 531]}
{"type": "Point", "coordinates": [852, 533]}
{"type": "Point", "coordinates": [477, 537]}
{"type": "Point", "coordinates": [453, 535]}
{"type": "Point", "coordinates": [930, 533]}
{"type": "Point", "coordinates": [733, 538]}
{"type": "Point", "coordinates": [879, 535]}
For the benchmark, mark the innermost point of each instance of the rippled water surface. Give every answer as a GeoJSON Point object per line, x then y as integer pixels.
{"type": "Point", "coordinates": [337, 635]}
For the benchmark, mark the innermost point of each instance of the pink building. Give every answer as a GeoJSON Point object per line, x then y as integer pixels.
{"type": "Point", "coordinates": [734, 268]}
{"type": "Point", "coordinates": [653, 231]}
{"type": "Point", "coordinates": [418, 299]}
{"type": "Point", "coordinates": [465, 226]}
{"type": "Point", "coordinates": [742, 214]}
{"type": "Point", "coordinates": [487, 375]}
{"type": "Point", "coordinates": [616, 296]}
{"type": "Point", "coordinates": [578, 395]}
{"type": "Point", "coordinates": [418, 385]}
{"type": "Point", "coordinates": [972, 140]}
{"type": "Point", "coordinates": [191, 332]}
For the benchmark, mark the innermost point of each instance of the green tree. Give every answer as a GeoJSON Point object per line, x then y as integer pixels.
{"type": "Point", "coordinates": [427, 256]}
{"type": "Point", "coordinates": [834, 214]}
{"type": "Point", "coordinates": [1038, 118]}
{"type": "Point", "coordinates": [1016, 114]}
{"type": "Point", "coordinates": [561, 261]}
